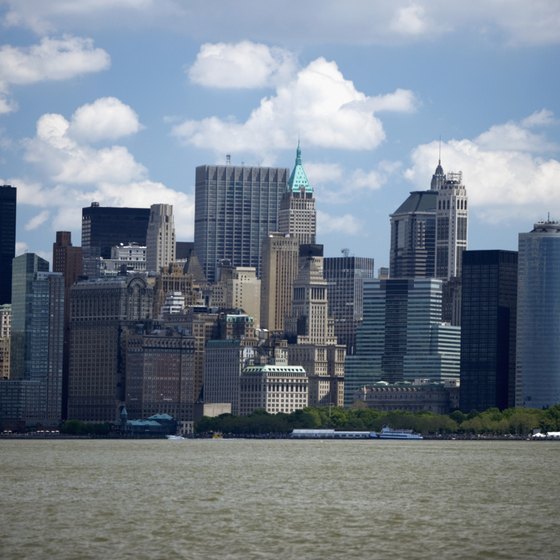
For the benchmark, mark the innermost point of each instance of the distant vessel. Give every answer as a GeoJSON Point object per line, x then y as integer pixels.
{"type": "Point", "coordinates": [175, 438]}
{"type": "Point", "coordinates": [330, 434]}
{"type": "Point", "coordinates": [389, 433]}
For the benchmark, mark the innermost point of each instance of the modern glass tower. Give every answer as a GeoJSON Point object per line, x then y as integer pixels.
{"type": "Point", "coordinates": [488, 324]}
{"type": "Point", "coordinates": [236, 207]}
{"type": "Point", "coordinates": [401, 337]}
{"type": "Point", "coordinates": [7, 240]}
{"type": "Point", "coordinates": [538, 317]}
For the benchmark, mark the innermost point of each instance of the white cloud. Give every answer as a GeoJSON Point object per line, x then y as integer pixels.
{"type": "Point", "coordinates": [74, 173]}
{"type": "Point", "coordinates": [346, 224]}
{"type": "Point", "coordinates": [107, 118]}
{"type": "Point", "coordinates": [503, 177]}
{"type": "Point", "coordinates": [242, 65]}
{"type": "Point", "coordinates": [410, 20]}
{"type": "Point", "coordinates": [51, 59]}
{"type": "Point", "coordinates": [37, 220]}
{"type": "Point", "coordinates": [318, 105]}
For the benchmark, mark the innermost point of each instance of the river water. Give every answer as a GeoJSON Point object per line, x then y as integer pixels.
{"type": "Point", "coordinates": [281, 499]}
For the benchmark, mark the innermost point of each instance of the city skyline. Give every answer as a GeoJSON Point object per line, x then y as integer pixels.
{"type": "Point", "coordinates": [123, 114]}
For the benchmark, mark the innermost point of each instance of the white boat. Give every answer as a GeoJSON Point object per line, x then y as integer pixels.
{"type": "Point", "coordinates": [175, 438]}
{"type": "Point", "coordinates": [389, 433]}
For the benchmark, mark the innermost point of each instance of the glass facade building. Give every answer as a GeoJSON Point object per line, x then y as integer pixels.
{"type": "Point", "coordinates": [488, 325]}
{"type": "Point", "coordinates": [538, 317]}
{"type": "Point", "coordinates": [7, 240]}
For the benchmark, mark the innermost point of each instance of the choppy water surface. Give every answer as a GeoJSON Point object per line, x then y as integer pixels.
{"type": "Point", "coordinates": [238, 499]}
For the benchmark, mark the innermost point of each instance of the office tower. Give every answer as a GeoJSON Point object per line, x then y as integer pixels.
{"type": "Point", "coordinates": [37, 332]}
{"type": "Point", "coordinates": [101, 310]}
{"type": "Point", "coordinates": [160, 237]}
{"type": "Point", "coordinates": [345, 276]}
{"type": "Point", "coordinates": [310, 331]}
{"type": "Point", "coordinates": [8, 197]}
{"type": "Point", "coordinates": [413, 227]}
{"type": "Point", "coordinates": [451, 225]}
{"type": "Point", "coordinates": [280, 266]}
{"type": "Point", "coordinates": [5, 331]}
{"type": "Point", "coordinates": [297, 215]}
{"type": "Point", "coordinates": [238, 287]}
{"type": "Point", "coordinates": [402, 337]}
{"type": "Point", "coordinates": [68, 261]}
{"type": "Point", "coordinates": [105, 227]}
{"type": "Point", "coordinates": [538, 317]}
{"type": "Point", "coordinates": [273, 388]}
{"type": "Point", "coordinates": [488, 324]}
{"type": "Point", "coordinates": [235, 209]}
{"type": "Point", "coordinates": [160, 374]}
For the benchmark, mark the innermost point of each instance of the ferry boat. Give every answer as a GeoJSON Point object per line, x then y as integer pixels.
{"type": "Point", "coordinates": [330, 434]}
{"type": "Point", "coordinates": [389, 433]}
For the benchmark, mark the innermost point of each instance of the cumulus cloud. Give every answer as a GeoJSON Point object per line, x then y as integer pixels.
{"type": "Point", "coordinates": [51, 59]}
{"type": "Point", "coordinates": [503, 175]}
{"type": "Point", "coordinates": [107, 118]}
{"type": "Point", "coordinates": [74, 173]}
{"type": "Point", "coordinates": [318, 105]}
{"type": "Point", "coordinates": [242, 65]}
{"type": "Point", "coordinates": [345, 224]}
{"type": "Point", "coordinates": [410, 20]}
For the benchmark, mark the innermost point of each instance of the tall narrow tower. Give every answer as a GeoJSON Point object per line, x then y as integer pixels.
{"type": "Point", "coordinates": [160, 237]}
{"type": "Point", "coordinates": [297, 215]}
{"type": "Point", "coordinates": [7, 240]}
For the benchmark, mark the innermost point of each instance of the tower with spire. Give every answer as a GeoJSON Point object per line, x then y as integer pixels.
{"type": "Point", "coordinates": [297, 215]}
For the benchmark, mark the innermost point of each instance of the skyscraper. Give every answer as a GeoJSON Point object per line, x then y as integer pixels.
{"type": "Point", "coordinates": [104, 227]}
{"type": "Point", "coordinates": [488, 324]}
{"type": "Point", "coordinates": [402, 337]}
{"type": "Point", "coordinates": [345, 277]}
{"type": "Point", "coordinates": [37, 332]}
{"type": "Point", "coordinates": [160, 237]}
{"type": "Point", "coordinates": [297, 215]}
{"type": "Point", "coordinates": [538, 317]}
{"type": "Point", "coordinates": [235, 209]}
{"type": "Point", "coordinates": [8, 196]}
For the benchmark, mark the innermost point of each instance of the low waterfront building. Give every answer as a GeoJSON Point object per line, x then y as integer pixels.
{"type": "Point", "coordinates": [273, 388]}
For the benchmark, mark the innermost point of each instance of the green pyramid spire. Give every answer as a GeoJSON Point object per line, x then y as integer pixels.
{"type": "Point", "coordinates": [298, 179]}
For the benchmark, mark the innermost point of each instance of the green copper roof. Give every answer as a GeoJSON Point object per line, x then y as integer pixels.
{"type": "Point", "coordinates": [298, 179]}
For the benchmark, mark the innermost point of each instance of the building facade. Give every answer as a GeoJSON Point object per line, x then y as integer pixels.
{"type": "Point", "coordinates": [5, 332]}
{"type": "Point", "coordinates": [8, 201]}
{"type": "Point", "coordinates": [538, 317]}
{"type": "Point", "coordinates": [160, 237]}
{"type": "Point", "coordinates": [104, 227]}
{"type": "Point", "coordinates": [101, 309]}
{"type": "Point", "coordinates": [402, 337]}
{"type": "Point", "coordinates": [345, 277]}
{"type": "Point", "coordinates": [488, 330]}
{"type": "Point", "coordinates": [273, 388]}
{"type": "Point", "coordinates": [236, 207]}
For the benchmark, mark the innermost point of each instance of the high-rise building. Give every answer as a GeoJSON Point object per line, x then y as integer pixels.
{"type": "Point", "coordinates": [235, 209]}
{"type": "Point", "coordinates": [538, 317]}
{"type": "Point", "coordinates": [345, 277]}
{"type": "Point", "coordinates": [101, 310]}
{"type": "Point", "coordinates": [5, 332]}
{"type": "Point", "coordinates": [37, 334]}
{"type": "Point", "coordinates": [297, 215]}
{"type": "Point", "coordinates": [8, 196]}
{"type": "Point", "coordinates": [160, 237]}
{"type": "Point", "coordinates": [451, 225]}
{"type": "Point", "coordinates": [310, 331]}
{"type": "Point", "coordinates": [104, 227]}
{"type": "Point", "coordinates": [68, 261]}
{"type": "Point", "coordinates": [488, 324]}
{"type": "Point", "coordinates": [279, 270]}
{"type": "Point", "coordinates": [402, 337]}
{"type": "Point", "coordinates": [413, 230]}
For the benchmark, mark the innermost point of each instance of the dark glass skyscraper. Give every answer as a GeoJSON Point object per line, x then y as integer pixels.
{"type": "Point", "coordinates": [104, 227]}
{"type": "Point", "coordinates": [235, 209]}
{"type": "Point", "coordinates": [488, 323]}
{"type": "Point", "coordinates": [7, 240]}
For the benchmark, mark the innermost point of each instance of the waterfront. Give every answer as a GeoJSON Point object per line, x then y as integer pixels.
{"type": "Point", "coordinates": [207, 499]}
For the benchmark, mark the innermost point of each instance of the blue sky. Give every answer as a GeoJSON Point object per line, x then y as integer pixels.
{"type": "Point", "coordinates": [118, 101]}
